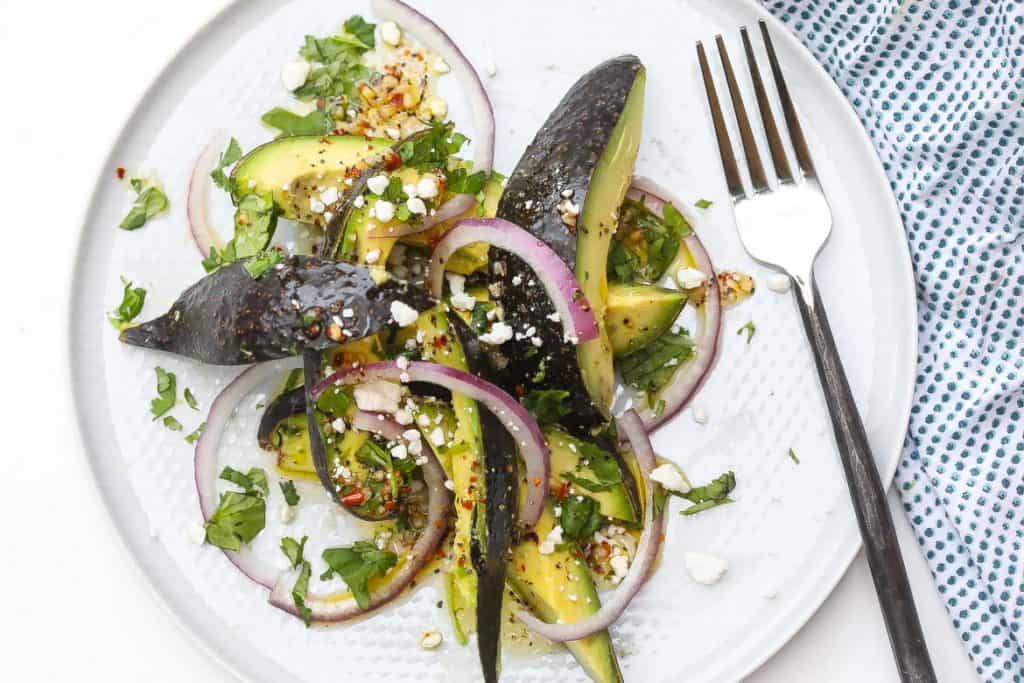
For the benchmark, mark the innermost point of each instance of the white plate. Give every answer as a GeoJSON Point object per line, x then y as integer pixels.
{"type": "Point", "coordinates": [791, 534]}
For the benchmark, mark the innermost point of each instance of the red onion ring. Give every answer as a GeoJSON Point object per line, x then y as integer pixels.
{"type": "Point", "coordinates": [643, 561]}
{"type": "Point", "coordinates": [207, 470]}
{"type": "Point", "coordinates": [436, 40]}
{"type": "Point", "coordinates": [572, 307]}
{"type": "Point", "coordinates": [197, 206]}
{"type": "Point", "coordinates": [691, 377]}
{"type": "Point", "coordinates": [520, 424]}
{"type": "Point", "coordinates": [330, 607]}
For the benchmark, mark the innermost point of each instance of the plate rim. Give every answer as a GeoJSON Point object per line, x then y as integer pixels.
{"type": "Point", "coordinates": [221, 649]}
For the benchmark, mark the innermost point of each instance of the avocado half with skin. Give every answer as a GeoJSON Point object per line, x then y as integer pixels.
{"type": "Point", "coordinates": [583, 155]}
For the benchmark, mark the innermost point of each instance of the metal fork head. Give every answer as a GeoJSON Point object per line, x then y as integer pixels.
{"type": "Point", "coordinates": [785, 223]}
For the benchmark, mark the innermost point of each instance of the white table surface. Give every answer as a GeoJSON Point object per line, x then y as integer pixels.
{"type": "Point", "coordinates": [76, 605]}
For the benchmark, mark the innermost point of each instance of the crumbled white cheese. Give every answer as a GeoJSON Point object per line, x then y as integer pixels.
{"type": "Point", "coordinates": [700, 416]}
{"type": "Point", "coordinates": [555, 318]}
{"type": "Point", "coordinates": [416, 206]}
{"type": "Point", "coordinates": [403, 313]}
{"type": "Point", "coordinates": [399, 452]}
{"type": "Point", "coordinates": [690, 278]}
{"type": "Point", "coordinates": [196, 533]}
{"type": "Point", "coordinates": [329, 196]}
{"type": "Point", "coordinates": [423, 420]}
{"type": "Point", "coordinates": [463, 301]}
{"type": "Point", "coordinates": [316, 206]}
{"type": "Point", "coordinates": [295, 73]}
{"type": "Point", "coordinates": [338, 425]}
{"type": "Point", "coordinates": [287, 513]}
{"type": "Point", "coordinates": [499, 334]}
{"type": "Point", "coordinates": [359, 202]}
{"type": "Point", "coordinates": [437, 436]}
{"type": "Point", "coordinates": [378, 396]}
{"type": "Point", "coordinates": [403, 417]}
{"type": "Point", "coordinates": [393, 132]}
{"type": "Point", "coordinates": [491, 69]}
{"type": "Point", "coordinates": [412, 435]}
{"type": "Point", "coordinates": [517, 280]}
{"type": "Point", "coordinates": [456, 282]}
{"type": "Point", "coordinates": [415, 448]}
{"type": "Point", "coordinates": [779, 283]}
{"type": "Point", "coordinates": [378, 184]}
{"type": "Point", "coordinates": [384, 210]}
{"type": "Point", "coordinates": [410, 189]}
{"type": "Point", "coordinates": [449, 484]}
{"type": "Point", "coordinates": [705, 569]}
{"type": "Point", "coordinates": [537, 342]}
{"type": "Point", "coordinates": [373, 256]}
{"type": "Point", "coordinates": [669, 476]}
{"type": "Point", "coordinates": [402, 362]}
{"type": "Point", "coordinates": [430, 640]}
{"type": "Point", "coordinates": [620, 566]}
{"type": "Point", "coordinates": [553, 539]}
{"type": "Point", "coordinates": [440, 66]}
{"type": "Point", "coordinates": [391, 34]}
{"type": "Point", "coordinates": [437, 107]}
{"type": "Point", "coordinates": [427, 187]}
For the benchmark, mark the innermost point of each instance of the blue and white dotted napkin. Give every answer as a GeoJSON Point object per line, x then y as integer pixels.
{"type": "Point", "coordinates": [939, 85]}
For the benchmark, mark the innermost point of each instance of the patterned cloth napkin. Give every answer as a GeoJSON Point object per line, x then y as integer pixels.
{"type": "Point", "coordinates": [939, 86]}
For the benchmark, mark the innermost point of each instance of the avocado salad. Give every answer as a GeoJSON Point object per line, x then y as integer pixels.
{"type": "Point", "coordinates": [469, 363]}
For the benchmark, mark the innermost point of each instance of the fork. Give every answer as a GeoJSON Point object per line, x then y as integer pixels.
{"type": "Point", "coordinates": [786, 226]}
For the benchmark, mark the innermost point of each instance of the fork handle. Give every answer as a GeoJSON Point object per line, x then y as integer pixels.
{"type": "Point", "coordinates": [869, 500]}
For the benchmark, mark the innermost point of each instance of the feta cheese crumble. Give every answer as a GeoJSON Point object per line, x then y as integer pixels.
{"type": "Point", "coordinates": [499, 334]}
{"type": "Point", "coordinates": [690, 278]}
{"type": "Point", "coordinates": [383, 210]}
{"type": "Point", "coordinates": [295, 74]}
{"type": "Point", "coordinates": [378, 396]}
{"type": "Point", "coordinates": [403, 314]}
{"type": "Point", "coordinates": [553, 539]}
{"type": "Point", "coordinates": [391, 34]}
{"type": "Point", "coordinates": [705, 569]}
{"type": "Point", "coordinates": [378, 184]}
{"type": "Point", "coordinates": [779, 283]}
{"type": "Point", "coordinates": [669, 476]}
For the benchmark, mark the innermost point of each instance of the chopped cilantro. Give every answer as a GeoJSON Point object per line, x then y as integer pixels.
{"type": "Point", "coordinates": [291, 124]}
{"type": "Point", "coordinates": [261, 263]}
{"type": "Point", "coordinates": [171, 423]}
{"type": "Point", "coordinates": [338, 69]}
{"type": "Point", "coordinates": [603, 465]}
{"type": "Point", "coordinates": [429, 149]}
{"type": "Point", "coordinates": [254, 481]}
{"type": "Point", "coordinates": [792, 456]}
{"type": "Point", "coordinates": [645, 244]}
{"type": "Point", "coordinates": [167, 393]}
{"type": "Point", "coordinates": [293, 549]}
{"type": "Point", "coordinates": [218, 258]}
{"type": "Point", "coordinates": [703, 204]}
{"type": "Point", "coordinates": [651, 368]}
{"type": "Point", "coordinates": [190, 399]}
{"type": "Point", "coordinates": [750, 329]}
{"type": "Point", "coordinates": [195, 434]}
{"type": "Point", "coordinates": [232, 154]}
{"type": "Point", "coordinates": [356, 565]}
{"type": "Point", "coordinates": [460, 181]}
{"type": "Point", "coordinates": [659, 407]}
{"type": "Point", "coordinates": [255, 223]}
{"type": "Point", "coordinates": [239, 518]}
{"type": "Point", "coordinates": [548, 405]}
{"type": "Point", "coordinates": [150, 201]}
{"type": "Point", "coordinates": [710, 495]}
{"type": "Point", "coordinates": [132, 300]}
{"type": "Point", "coordinates": [581, 517]}
{"type": "Point", "coordinates": [291, 496]}
{"type": "Point", "coordinates": [361, 30]}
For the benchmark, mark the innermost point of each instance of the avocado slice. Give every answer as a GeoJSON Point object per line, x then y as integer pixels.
{"type": "Point", "coordinates": [583, 155]}
{"type": "Point", "coordinates": [639, 314]}
{"type": "Point", "coordinates": [296, 161]}
{"type": "Point", "coordinates": [568, 454]}
{"type": "Point", "coordinates": [548, 584]}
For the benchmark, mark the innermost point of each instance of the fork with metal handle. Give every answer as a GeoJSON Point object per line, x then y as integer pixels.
{"type": "Point", "coordinates": [786, 227]}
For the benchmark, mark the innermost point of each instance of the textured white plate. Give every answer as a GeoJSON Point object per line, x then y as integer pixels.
{"type": "Point", "coordinates": [791, 534]}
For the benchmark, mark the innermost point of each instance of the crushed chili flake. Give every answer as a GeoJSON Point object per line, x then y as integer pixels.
{"type": "Point", "coordinates": [120, 172]}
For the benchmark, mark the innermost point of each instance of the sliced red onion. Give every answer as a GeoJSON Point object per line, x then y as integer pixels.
{"type": "Point", "coordinates": [437, 41]}
{"type": "Point", "coordinates": [646, 552]}
{"type": "Point", "coordinates": [572, 307]}
{"type": "Point", "coordinates": [207, 469]}
{"type": "Point", "coordinates": [336, 607]}
{"type": "Point", "coordinates": [520, 424]}
{"type": "Point", "coordinates": [203, 233]}
{"type": "Point", "coordinates": [692, 376]}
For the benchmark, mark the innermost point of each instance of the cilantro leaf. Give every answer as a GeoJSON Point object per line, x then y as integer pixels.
{"type": "Point", "coordinates": [460, 181]}
{"type": "Point", "coordinates": [356, 565]}
{"type": "Point", "coordinates": [255, 224]}
{"type": "Point", "coordinates": [703, 204]}
{"type": "Point", "coordinates": [195, 434]}
{"type": "Point", "coordinates": [218, 258]}
{"type": "Point", "coordinates": [548, 405]}
{"type": "Point", "coordinates": [261, 263]}
{"type": "Point", "coordinates": [299, 591]}
{"type": "Point", "coordinates": [231, 155]}
{"type": "Point", "coordinates": [291, 496]}
{"type": "Point", "coordinates": [649, 369]}
{"type": "Point", "coordinates": [430, 149]}
{"type": "Point", "coordinates": [291, 124]}
{"type": "Point", "coordinates": [792, 456]}
{"type": "Point", "coordinates": [581, 517]}
{"type": "Point", "coordinates": [239, 518]}
{"type": "Point", "coordinates": [362, 30]}
{"type": "Point", "coordinates": [750, 329]}
{"type": "Point", "coordinates": [190, 399]}
{"type": "Point", "coordinates": [710, 495]}
{"type": "Point", "coordinates": [645, 244]}
{"type": "Point", "coordinates": [171, 423]}
{"type": "Point", "coordinates": [150, 201]}
{"type": "Point", "coordinates": [167, 393]}
{"type": "Point", "coordinates": [132, 301]}
{"type": "Point", "coordinates": [254, 481]}
{"type": "Point", "coordinates": [293, 549]}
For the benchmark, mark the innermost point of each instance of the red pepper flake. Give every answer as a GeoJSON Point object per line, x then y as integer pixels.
{"type": "Point", "coordinates": [392, 161]}
{"type": "Point", "coordinates": [537, 482]}
{"type": "Point", "coordinates": [357, 497]}
{"type": "Point", "coordinates": [562, 491]}
{"type": "Point", "coordinates": [467, 504]}
{"type": "Point", "coordinates": [120, 172]}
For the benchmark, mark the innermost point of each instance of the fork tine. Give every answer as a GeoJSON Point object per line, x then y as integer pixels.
{"type": "Point", "coordinates": [757, 175]}
{"type": "Point", "coordinates": [732, 173]}
{"type": "Point", "coordinates": [771, 130]}
{"type": "Point", "coordinates": [796, 133]}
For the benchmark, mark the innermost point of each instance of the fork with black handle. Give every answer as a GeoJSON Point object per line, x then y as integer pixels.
{"type": "Point", "coordinates": [786, 226]}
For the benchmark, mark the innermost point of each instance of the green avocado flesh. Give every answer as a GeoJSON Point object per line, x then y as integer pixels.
{"type": "Point", "coordinates": [296, 162]}
{"type": "Point", "coordinates": [639, 314]}
{"type": "Point", "coordinates": [596, 225]}
{"type": "Point", "coordinates": [567, 456]}
{"type": "Point", "coordinates": [548, 584]}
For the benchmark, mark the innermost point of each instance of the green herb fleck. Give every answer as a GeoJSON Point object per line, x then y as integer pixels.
{"type": "Point", "coordinates": [362, 30]}
{"type": "Point", "coordinates": [190, 399]}
{"type": "Point", "coordinates": [150, 201]}
{"type": "Point", "coordinates": [703, 204]}
{"type": "Point", "coordinates": [231, 155]}
{"type": "Point", "coordinates": [461, 181]}
{"type": "Point", "coordinates": [254, 481]}
{"type": "Point", "coordinates": [291, 496]}
{"type": "Point", "coordinates": [710, 495]}
{"type": "Point", "coordinates": [645, 244]}
{"type": "Point", "coordinates": [196, 433]}
{"type": "Point", "coordinates": [356, 565]}
{"type": "Point", "coordinates": [750, 329]}
{"type": "Point", "coordinates": [548, 405]}
{"type": "Point", "coordinates": [651, 368]}
{"type": "Point", "coordinates": [299, 591]}
{"type": "Point", "coordinates": [258, 265]}
{"type": "Point", "coordinates": [171, 423]}
{"type": "Point", "coordinates": [291, 124]}
{"type": "Point", "coordinates": [166, 389]}
{"type": "Point", "coordinates": [293, 550]}
{"type": "Point", "coordinates": [581, 517]}
{"type": "Point", "coordinates": [239, 518]}
{"type": "Point", "coordinates": [132, 300]}
{"type": "Point", "coordinates": [792, 456]}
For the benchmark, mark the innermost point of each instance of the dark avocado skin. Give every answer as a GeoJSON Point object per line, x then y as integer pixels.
{"type": "Point", "coordinates": [561, 157]}
{"type": "Point", "coordinates": [229, 318]}
{"type": "Point", "coordinates": [490, 547]}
